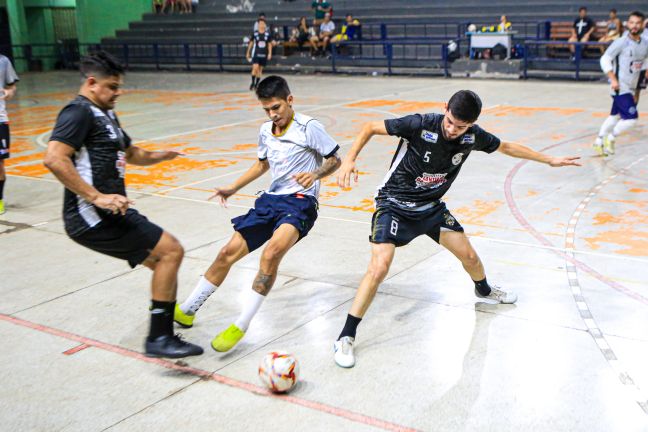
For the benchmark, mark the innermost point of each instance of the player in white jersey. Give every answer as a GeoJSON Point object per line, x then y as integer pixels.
{"type": "Point", "coordinates": [623, 63]}
{"type": "Point", "coordinates": [298, 152]}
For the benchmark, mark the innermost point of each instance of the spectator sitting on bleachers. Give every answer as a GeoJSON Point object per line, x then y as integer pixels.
{"type": "Point", "coordinates": [614, 27]}
{"type": "Point", "coordinates": [301, 34]}
{"type": "Point", "coordinates": [582, 29]}
{"type": "Point", "coordinates": [348, 30]}
{"type": "Point", "coordinates": [327, 28]}
{"type": "Point", "coordinates": [504, 25]}
{"type": "Point", "coordinates": [321, 8]}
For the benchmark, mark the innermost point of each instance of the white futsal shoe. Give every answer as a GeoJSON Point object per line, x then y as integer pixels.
{"type": "Point", "coordinates": [344, 356]}
{"type": "Point", "coordinates": [499, 295]}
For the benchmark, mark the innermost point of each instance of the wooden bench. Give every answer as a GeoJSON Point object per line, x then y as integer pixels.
{"type": "Point", "coordinates": [289, 47]}
{"type": "Point", "coordinates": [561, 31]}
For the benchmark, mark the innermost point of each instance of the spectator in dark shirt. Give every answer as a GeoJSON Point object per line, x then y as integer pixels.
{"type": "Point", "coordinates": [582, 29]}
{"type": "Point", "coordinates": [321, 8]}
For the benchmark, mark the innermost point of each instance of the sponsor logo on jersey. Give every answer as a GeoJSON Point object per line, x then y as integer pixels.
{"type": "Point", "coordinates": [468, 139]}
{"type": "Point", "coordinates": [632, 110]}
{"type": "Point", "coordinates": [456, 159]}
{"type": "Point", "coordinates": [430, 181]}
{"type": "Point", "coordinates": [428, 136]}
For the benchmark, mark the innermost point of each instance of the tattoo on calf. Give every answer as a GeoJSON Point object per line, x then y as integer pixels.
{"type": "Point", "coordinates": [263, 283]}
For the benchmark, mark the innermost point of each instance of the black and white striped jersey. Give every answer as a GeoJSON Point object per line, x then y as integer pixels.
{"type": "Point", "coordinates": [100, 159]}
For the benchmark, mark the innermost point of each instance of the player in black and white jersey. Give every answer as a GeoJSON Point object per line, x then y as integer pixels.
{"type": "Point", "coordinates": [624, 62]}
{"type": "Point", "coordinates": [88, 152]}
{"type": "Point", "coordinates": [430, 154]}
{"type": "Point", "coordinates": [259, 52]}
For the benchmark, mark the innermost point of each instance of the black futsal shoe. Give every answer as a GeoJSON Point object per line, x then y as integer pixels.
{"type": "Point", "coordinates": [171, 346]}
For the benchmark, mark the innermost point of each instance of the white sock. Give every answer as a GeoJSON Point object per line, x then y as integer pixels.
{"type": "Point", "coordinates": [608, 125]}
{"type": "Point", "coordinates": [621, 127]}
{"type": "Point", "coordinates": [203, 290]}
{"type": "Point", "coordinates": [250, 308]}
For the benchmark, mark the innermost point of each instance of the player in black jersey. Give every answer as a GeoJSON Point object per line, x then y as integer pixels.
{"type": "Point", "coordinates": [88, 152]}
{"type": "Point", "coordinates": [431, 151]}
{"type": "Point", "coordinates": [259, 52]}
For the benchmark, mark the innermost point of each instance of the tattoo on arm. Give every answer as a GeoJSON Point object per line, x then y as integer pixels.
{"type": "Point", "coordinates": [328, 167]}
{"type": "Point", "coordinates": [263, 283]}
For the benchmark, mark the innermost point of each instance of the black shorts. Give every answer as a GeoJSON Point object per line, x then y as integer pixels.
{"type": "Point", "coordinates": [389, 225]}
{"type": "Point", "coordinates": [5, 141]}
{"type": "Point", "coordinates": [131, 237]}
{"type": "Point", "coordinates": [270, 212]}
{"type": "Point", "coordinates": [261, 61]}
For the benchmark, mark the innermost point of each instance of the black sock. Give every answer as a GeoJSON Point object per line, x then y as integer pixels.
{"type": "Point", "coordinates": [161, 319]}
{"type": "Point", "coordinates": [2, 182]}
{"type": "Point", "coordinates": [350, 326]}
{"type": "Point", "coordinates": [258, 80]}
{"type": "Point", "coordinates": [482, 287]}
{"type": "Point", "coordinates": [253, 80]}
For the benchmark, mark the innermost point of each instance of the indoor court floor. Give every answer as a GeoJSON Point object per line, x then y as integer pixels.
{"type": "Point", "coordinates": [570, 355]}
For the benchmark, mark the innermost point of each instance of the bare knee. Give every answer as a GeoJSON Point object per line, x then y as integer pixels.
{"type": "Point", "coordinates": [174, 252]}
{"type": "Point", "coordinates": [271, 255]}
{"type": "Point", "coordinates": [470, 259]}
{"type": "Point", "coordinates": [378, 268]}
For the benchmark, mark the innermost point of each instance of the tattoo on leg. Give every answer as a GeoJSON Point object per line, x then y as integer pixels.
{"type": "Point", "coordinates": [263, 283]}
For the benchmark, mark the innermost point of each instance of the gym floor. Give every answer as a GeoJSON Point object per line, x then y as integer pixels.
{"type": "Point", "coordinates": [571, 354]}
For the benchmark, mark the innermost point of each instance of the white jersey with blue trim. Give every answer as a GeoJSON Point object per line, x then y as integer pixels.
{"type": "Point", "coordinates": [626, 57]}
{"type": "Point", "coordinates": [300, 148]}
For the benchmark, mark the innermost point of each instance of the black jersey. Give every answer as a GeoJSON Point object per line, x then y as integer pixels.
{"type": "Point", "coordinates": [260, 42]}
{"type": "Point", "coordinates": [425, 163]}
{"type": "Point", "coordinates": [100, 159]}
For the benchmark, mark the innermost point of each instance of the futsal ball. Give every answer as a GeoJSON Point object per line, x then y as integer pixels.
{"type": "Point", "coordinates": [279, 371]}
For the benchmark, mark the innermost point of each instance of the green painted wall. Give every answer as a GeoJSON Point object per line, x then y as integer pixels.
{"type": "Point", "coordinates": [98, 18]}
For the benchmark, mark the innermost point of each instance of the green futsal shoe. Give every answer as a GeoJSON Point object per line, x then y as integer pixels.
{"type": "Point", "coordinates": [608, 146]}
{"type": "Point", "coordinates": [182, 318]}
{"type": "Point", "coordinates": [226, 340]}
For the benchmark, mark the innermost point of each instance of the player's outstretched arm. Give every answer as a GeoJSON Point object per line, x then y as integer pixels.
{"type": "Point", "coordinates": [58, 160]}
{"type": "Point", "coordinates": [328, 167]}
{"type": "Point", "coordinates": [254, 172]}
{"type": "Point", "coordinates": [138, 156]}
{"type": "Point", "coordinates": [348, 168]}
{"type": "Point", "coordinates": [524, 152]}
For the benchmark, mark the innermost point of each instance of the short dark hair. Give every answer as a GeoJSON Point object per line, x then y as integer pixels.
{"type": "Point", "coordinates": [101, 64]}
{"type": "Point", "coordinates": [465, 105]}
{"type": "Point", "coordinates": [638, 14]}
{"type": "Point", "coordinates": [273, 86]}
{"type": "Point", "coordinates": [613, 10]}
{"type": "Point", "coordinates": [582, 8]}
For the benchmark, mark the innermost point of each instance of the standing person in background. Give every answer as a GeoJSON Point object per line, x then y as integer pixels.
{"type": "Point", "coordinates": [504, 25]}
{"type": "Point", "coordinates": [8, 80]}
{"type": "Point", "coordinates": [259, 52]}
{"type": "Point", "coordinates": [321, 8]}
{"type": "Point", "coordinates": [623, 63]}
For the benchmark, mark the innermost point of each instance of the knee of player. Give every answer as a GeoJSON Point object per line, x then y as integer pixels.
{"type": "Point", "coordinates": [470, 259]}
{"type": "Point", "coordinates": [175, 251]}
{"type": "Point", "coordinates": [378, 268]}
{"type": "Point", "coordinates": [271, 254]}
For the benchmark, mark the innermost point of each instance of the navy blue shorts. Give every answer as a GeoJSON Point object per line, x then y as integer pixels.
{"type": "Point", "coordinates": [389, 225]}
{"type": "Point", "coordinates": [270, 211]}
{"type": "Point", "coordinates": [625, 106]}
